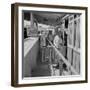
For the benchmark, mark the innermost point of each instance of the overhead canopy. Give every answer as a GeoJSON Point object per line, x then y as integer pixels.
{"type": "Point", "coordinates": [48, 18]}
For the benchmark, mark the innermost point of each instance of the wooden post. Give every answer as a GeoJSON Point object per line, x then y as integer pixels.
{"type": "Point", "coordinates": [32, 21]}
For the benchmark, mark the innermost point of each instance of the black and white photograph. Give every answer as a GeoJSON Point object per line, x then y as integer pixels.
{"type": "Point", "coordinates": [50, 44]}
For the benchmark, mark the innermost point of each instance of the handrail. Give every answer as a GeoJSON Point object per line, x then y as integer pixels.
{"type": "Point", "coordinates": [65, 60]}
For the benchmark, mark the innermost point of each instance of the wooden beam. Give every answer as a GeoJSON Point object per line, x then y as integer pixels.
{"type": "Point", "coordinates": [64, 60]}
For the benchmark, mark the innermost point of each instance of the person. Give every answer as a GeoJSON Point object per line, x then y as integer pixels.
{"type": "Point", "coordinates": [43, 45]}
{"type": "Point", "coordinates": [49, 49]}
{"type": "Point", "coordinates": [49, 37]}
{"type": "Point", "coordinates": [65, 70]}
{"type": "Point", "coordinates": [57, 43]}
{"type": "Point", "coordinates": [57, 39]}
{"type": "Point", "coordinates": [43, 39]}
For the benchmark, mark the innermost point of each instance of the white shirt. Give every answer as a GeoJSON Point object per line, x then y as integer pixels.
{"type": "Point", "coordinates": [56, 41]}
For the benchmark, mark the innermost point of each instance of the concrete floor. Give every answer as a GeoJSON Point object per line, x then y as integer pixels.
{"type": "Point", "coordinates": [41, 70]}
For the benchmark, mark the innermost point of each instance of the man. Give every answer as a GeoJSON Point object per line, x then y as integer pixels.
{"type": "Point", "coordinates": [57, 43]}
{"type": "Point", "coordinates": [57, 40]}
{"type": "Point", "coordinates": [43, 45]}
{"type": "Point", "coordinates": [50, 37]}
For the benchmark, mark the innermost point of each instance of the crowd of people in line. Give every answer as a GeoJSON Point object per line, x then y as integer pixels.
{"type": "Point", "coordinates": [60, 44]}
